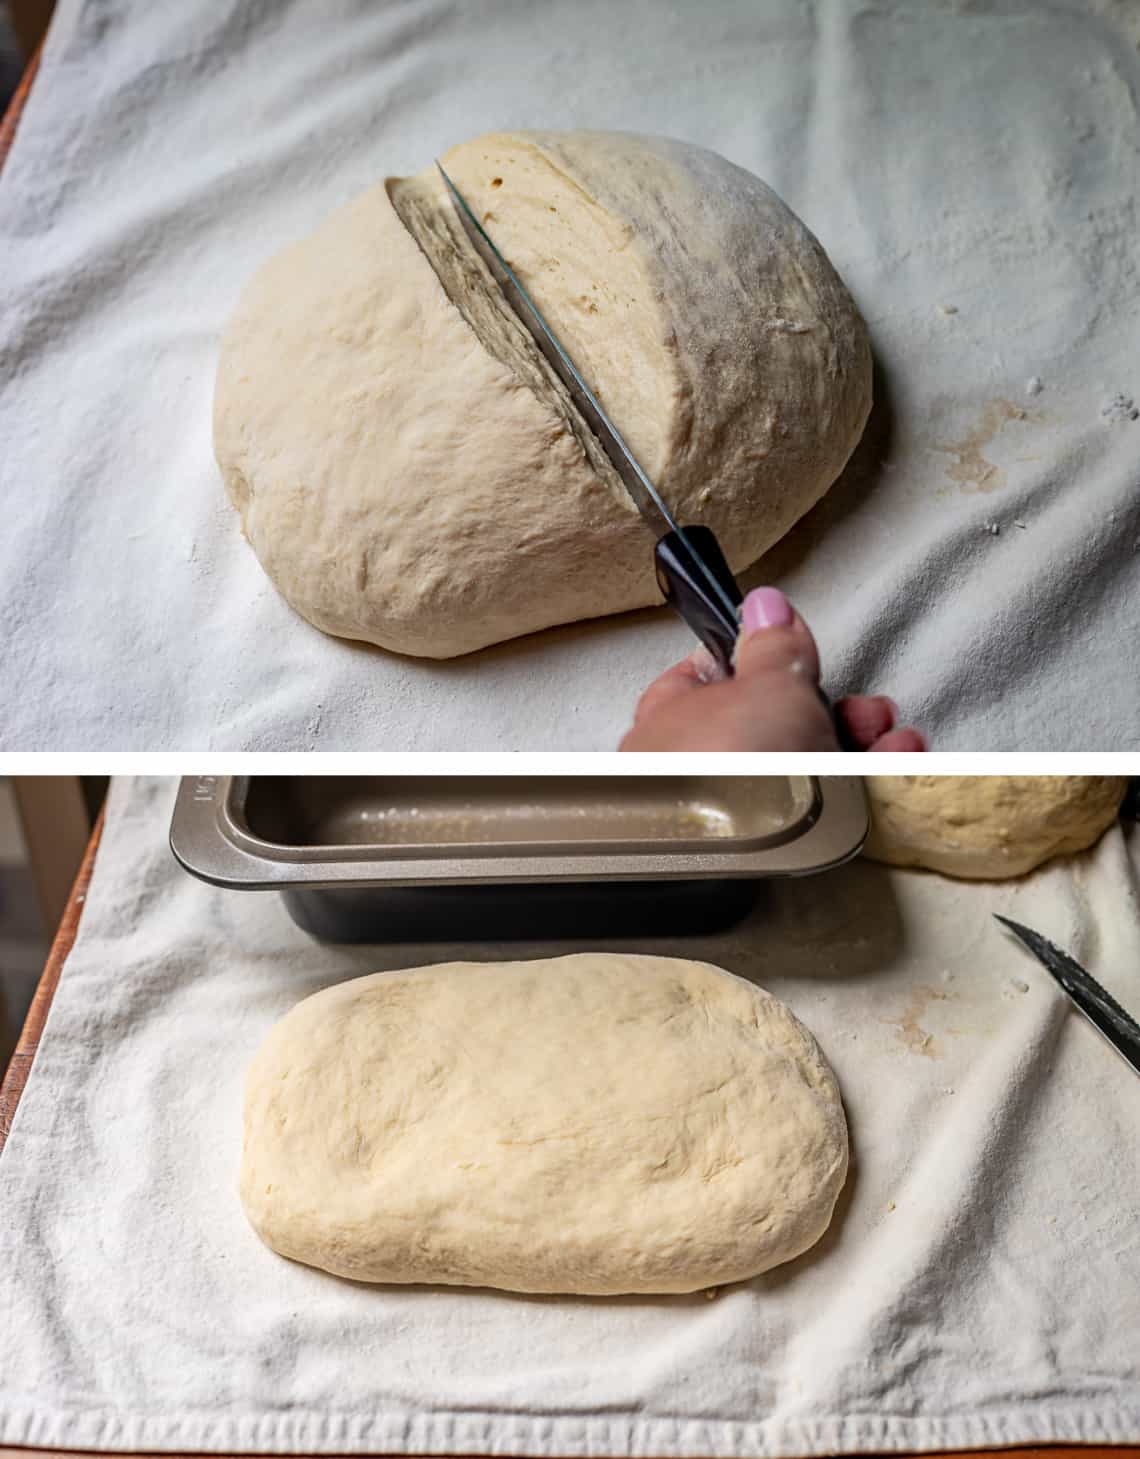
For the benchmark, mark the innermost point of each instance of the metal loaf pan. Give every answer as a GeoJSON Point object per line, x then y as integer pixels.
{"type": "Point", "coordinates": [435, 858]}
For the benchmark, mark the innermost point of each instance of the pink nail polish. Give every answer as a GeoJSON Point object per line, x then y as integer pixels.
{"type": "Point", "coordinates": [766, 608]}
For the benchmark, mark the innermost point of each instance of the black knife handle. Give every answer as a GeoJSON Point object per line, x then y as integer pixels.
{"type": "Point", "coordinates": [688, 593]}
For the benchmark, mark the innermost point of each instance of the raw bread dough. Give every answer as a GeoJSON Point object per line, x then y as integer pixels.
{"type": "Point", "coordinates": [408, 469]}
{"type": "Point", "coordinates": [986, 827]}
{"type": "Point", "coordinates": [598, 1123]}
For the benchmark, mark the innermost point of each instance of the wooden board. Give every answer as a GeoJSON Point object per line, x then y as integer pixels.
{"type": "Point", "coordinates": [11, 118]}
{"type": "Point", "coordinates": [20, 1064]}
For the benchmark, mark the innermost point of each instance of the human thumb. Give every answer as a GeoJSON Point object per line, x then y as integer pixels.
{"type": "Point", "coordinates": [774, 638]}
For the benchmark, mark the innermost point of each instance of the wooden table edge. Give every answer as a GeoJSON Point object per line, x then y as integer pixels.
{"type": "Point", "coordinates": [16, 1078]}
{"type": "Point", "coordinates": [15, 109]}
{"type": "Point", "coordinates": [23, 1056]}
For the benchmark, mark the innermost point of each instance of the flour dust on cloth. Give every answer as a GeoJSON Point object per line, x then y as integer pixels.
{"type": "Point", "coordinates": [975, 1288]}
{"type": "Point", "coordinates": [970, 172]}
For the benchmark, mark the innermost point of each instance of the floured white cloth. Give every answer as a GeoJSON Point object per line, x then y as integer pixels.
{"type": "Point", "coordinates": [972, 171]}
{"type": "Point", "coordinates": [977, 1286]}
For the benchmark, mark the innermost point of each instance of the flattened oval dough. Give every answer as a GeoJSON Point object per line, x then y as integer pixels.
{"type": "Point", "coordinates": [409, 471]}
{"type": "Point", "coordinates": [598, 1123]}
{"type": "Point", "coordinates": [986, 827]}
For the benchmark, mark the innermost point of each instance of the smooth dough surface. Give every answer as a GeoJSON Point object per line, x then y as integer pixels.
{"type": "Point", "coordinates": [597, 1123]}
{"type": "Point", "coordinates": [408, 469]}
{"type": "Point", "coordinates": [986, 827]}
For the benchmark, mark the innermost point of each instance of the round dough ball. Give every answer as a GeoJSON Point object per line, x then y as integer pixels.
{"type": "Point", "coordinates": [408, 469]}
{"type": "Point", "coordinates": [600, 1123]}
{"type": "Point", "coordinates": [986, 827]}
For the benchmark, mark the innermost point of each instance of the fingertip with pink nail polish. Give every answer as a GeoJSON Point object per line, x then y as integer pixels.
{"type": "Point", "coordinates": [766, 608]}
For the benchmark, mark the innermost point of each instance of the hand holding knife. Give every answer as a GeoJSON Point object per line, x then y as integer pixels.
{"type": "Point", "coordinates": [692, 572]}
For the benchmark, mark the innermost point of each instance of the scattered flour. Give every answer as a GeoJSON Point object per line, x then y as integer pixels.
{"type": "Point", "coordinates": [1119, 407]}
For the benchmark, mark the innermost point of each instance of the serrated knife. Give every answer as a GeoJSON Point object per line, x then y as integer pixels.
{"type": "Point", "coordinates": [692, 571]}
{"type": "Point", "coordinates": [1101, 1009]}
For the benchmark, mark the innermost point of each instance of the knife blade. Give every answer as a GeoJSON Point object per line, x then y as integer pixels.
{"type": "Point", "coordinates": [1101, 1009]}
{"type": "Point", "coordinates": [691, 569]}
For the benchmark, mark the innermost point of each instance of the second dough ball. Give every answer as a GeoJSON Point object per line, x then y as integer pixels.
{"type": "Point", "coordinates": [987, 827]}
{"type": "Point", "coordinates": [409, 470]}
